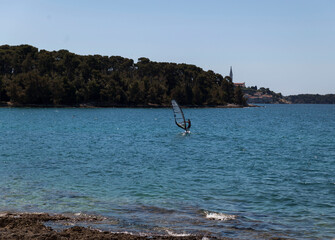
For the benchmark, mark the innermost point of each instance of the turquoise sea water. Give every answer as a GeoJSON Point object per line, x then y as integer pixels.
{"type": "Point", "coordinates": [252, 173]}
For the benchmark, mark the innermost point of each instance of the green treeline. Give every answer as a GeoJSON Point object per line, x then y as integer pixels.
{"type": "Point", "coordinates": [312, 99]}
{"type": "Point", "coordinates": [30, 76]}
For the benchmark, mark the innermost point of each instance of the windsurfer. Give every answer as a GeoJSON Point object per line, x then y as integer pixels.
{"type": "Point", "coordinates": [185, 126]}
{"type": "Point", "coordinates": [179, 117]}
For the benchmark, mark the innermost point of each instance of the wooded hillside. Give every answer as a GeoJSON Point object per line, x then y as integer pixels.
{"type": "Point", "coordinates": [30, 76]}
{"type": "Point", "coordinates": [312, 99]}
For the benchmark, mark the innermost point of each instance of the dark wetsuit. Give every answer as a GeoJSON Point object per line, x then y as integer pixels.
{"type": "Point", "coordinates": [189, 124]}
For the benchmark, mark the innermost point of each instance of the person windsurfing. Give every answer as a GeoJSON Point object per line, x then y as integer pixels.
{"type": "Point", "coordinates": [185, 126]}
{"type": "Point", "coordinates": [179, 117]}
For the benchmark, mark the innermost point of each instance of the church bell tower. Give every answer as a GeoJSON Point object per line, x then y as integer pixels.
{"type": "Point", "coordinates": [231, 73]}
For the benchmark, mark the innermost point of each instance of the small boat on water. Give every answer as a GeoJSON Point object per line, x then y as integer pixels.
{"type": "Point", "coordinates": [179, 117]}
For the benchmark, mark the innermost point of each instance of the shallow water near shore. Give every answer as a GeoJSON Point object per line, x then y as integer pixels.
{"type": "Point", "coordinates": [241, 173]}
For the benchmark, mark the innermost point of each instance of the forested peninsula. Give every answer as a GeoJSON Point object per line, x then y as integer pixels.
{"type": "Point", "coordinates": [311, 99]}
{"type": "Point", "coordinates": [29, 76]}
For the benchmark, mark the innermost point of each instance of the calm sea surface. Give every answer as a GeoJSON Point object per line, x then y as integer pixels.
{"type": "Point", "coordinates": [251, 173]}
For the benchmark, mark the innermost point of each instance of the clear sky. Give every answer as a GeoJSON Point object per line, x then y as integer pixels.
{"type": "Point", "coordinates": [285, 45]}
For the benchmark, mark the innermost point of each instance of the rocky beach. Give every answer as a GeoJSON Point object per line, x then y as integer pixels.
{"type": "Point", "coordinates": [34, 226]}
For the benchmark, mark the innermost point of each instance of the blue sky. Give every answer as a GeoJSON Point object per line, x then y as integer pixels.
{"type": "Point", "coordinates": [285, 45]}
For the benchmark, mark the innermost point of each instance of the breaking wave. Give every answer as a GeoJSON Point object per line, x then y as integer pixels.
{"type": "Point", "coordinates": [219, 216]}
{"type": "Point", "coordinates": [177, 234]}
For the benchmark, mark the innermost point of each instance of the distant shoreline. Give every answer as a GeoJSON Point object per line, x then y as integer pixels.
{"type": "Point", "coordinates": [92, 105]}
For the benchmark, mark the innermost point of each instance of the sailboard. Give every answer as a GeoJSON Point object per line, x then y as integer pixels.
{"type": "Point", "coordinates": [179, 117]}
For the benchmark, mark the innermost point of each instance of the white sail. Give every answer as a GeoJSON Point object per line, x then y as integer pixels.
{"type": "Point", "coordinates": [179, 116]}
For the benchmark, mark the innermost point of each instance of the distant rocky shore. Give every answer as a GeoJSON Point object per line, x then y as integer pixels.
{"type": "Point", "coordinates": [266, 96]}
{"type": "Point", "coordinates": [104, 105]}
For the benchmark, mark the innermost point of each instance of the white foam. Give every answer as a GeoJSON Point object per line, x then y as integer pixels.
{"type": "Point", "coordinates": [133, 234]}
{"type": "Point", "coordinates": [186, 133]}
{"type": "Point", "coordinates": [219, 216]}
{"type": "Point", "coordinates": [3, 214]}
{"type": "Point", "coordinates": [177, 234]}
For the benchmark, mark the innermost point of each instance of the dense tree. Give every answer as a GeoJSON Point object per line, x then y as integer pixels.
{"type": "Point", "coordinates": [30, 76]}
{"type": "Point", "coordinates": [238, 97]}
